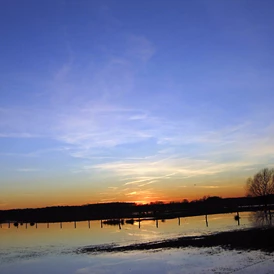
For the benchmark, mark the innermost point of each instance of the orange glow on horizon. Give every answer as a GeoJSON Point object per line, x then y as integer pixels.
{"type": "Point", "coordinates": [73, 200]}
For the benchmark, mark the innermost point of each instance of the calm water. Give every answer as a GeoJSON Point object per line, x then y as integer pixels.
{"type": "Point", "coordinates": [53, 249]}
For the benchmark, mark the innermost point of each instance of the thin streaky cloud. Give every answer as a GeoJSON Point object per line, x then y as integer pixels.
{"type": "Point", "coordinates": [28, 170]}
{"type": "Point", "coordinates": [148, 183]}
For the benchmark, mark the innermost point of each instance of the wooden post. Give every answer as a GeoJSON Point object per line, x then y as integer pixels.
{"type": "Point", "coordinates": [101, 223]}
{"type": "Point", "coordinates": [26, 225]}
{"type": "Point", "coordinates": [206, 220]}
{"type": "Point", "coordinates": [119, 224]}
{"type": "Point", "coordinates": [238, 218]}
{"type": "Point", "coordinates": [139, 222]}
{"type": "Point", "coordinates": [36, 225]}
{"type": "Point", "coordinates": [47, 225]}
{"type": "Point", "coordinates": [179, 221]}
{"type": "Point", "coordinates": [9, 225]}
{"type": "Point", "coordinates": [157, 223]}
{"type": "Point", "coordinates": [60, 224]}
{"type": "Point", "coordinates": [74, 224]}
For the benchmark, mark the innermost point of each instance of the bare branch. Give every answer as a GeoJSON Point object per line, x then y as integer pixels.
{"type": "Point", "coordinates": [262, 183]}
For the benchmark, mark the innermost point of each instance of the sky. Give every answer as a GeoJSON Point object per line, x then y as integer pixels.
{"type": "Point", "coordinates": [138, 101]}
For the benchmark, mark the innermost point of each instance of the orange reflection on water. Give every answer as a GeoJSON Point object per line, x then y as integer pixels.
{"type": "Point", "coordinates": [66, 235]}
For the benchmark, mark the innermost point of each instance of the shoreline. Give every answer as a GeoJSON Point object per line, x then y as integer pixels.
{"type": "Point", "coordinates": [259, 238]}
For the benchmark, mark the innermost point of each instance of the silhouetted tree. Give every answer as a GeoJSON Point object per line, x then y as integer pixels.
{"type": "Point", "coordinates": [261, 184]}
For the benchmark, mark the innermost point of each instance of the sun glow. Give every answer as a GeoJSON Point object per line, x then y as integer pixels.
{"type": "Point", "coordinates": [143, 202]}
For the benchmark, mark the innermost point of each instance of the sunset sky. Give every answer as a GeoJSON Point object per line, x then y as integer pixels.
{"type": "Point", "coordinates": [141, 100]}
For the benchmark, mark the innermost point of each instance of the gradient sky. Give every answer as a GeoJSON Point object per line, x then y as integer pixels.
{"type": "Point", "coordinates": [118, 100]}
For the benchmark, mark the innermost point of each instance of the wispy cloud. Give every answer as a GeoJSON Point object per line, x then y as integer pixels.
{"type": "Point", "coordinates": [131, 193]}
{"type": "Point", "coordinates": [168, 168]}
{"type": "Point", "coordinates": [92, 131]}
{"type": "Point", "coordinates": [212, 187]}
{"type": "Point", "coordinates": [28, 170]}
{"type": "Point", "coordinates": [133, 113]}
{"type": "Point", "coordinates": [140, 47]}
{"type": "Point", "coordinates": [19, 135]}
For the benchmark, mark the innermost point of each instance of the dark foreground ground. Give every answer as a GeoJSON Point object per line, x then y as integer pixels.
{"type": "Point", "coordinates": [249, 239]}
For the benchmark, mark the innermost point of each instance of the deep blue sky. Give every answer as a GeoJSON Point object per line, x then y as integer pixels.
{"type": "Point", "coordinates": [133, 100]}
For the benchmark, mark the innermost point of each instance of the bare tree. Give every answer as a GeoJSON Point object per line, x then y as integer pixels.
{"type": "Point", "coordinates": [261, 184]}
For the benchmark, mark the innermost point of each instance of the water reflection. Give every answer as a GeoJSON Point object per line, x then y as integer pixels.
{"type": "Point", "coordinates": [131, 230]}
{"type": "Point", "coordinates": [261, 218]}
{"type": "Point", "coordinates": [70, 235]}
{"type": "Point", "coordinates": [22, 243]}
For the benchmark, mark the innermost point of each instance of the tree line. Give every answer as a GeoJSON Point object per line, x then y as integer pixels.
{"type": "Point", "coordinates": [260, 193]}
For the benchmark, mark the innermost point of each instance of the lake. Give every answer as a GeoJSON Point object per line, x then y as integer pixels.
{"type": "Point", "coordinates": [54, 249]}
